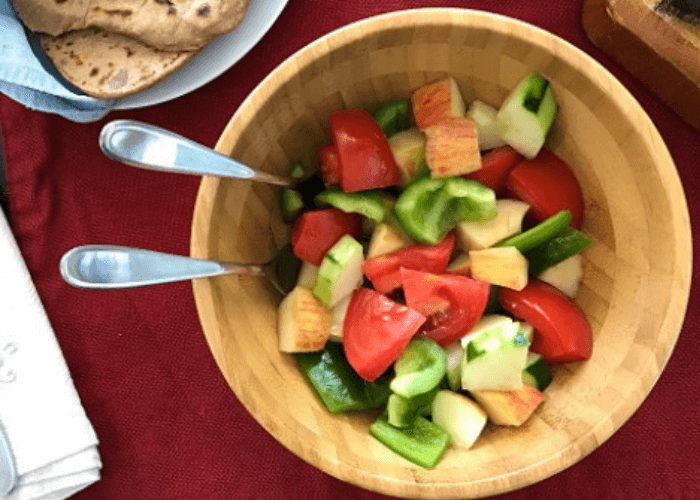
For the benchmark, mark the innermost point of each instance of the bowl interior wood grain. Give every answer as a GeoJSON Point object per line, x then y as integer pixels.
{"type": "Point", "coordinates": [637, 273]}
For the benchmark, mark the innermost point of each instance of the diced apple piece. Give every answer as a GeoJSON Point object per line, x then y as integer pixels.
{"type": "Point", "coordinates": [385, 240]}
{"type": "Point", "coordinates": [307, 275]}
{"type": "Point", "coordinates": [436, 102]}
{"type": "Point", "coordinates": [565, 275]}
{"type": "Point", "coordinates": [461, 417]}
{"type": "Point", "coordinates": [477, 235]}
{"type": "Point", "coordinates": [338, 318]}
{"type": "Point", "coordinates": [509, 407]}
{"type": "Point", "coordinates": [304, 325]}
{"type": "Point", "coordinates": [461, 265]}
{"type": "Point", "coordinates": [502, 266]}
{"type": "Point", "coordinates": [486, 125]}
{"type": "Point", "coordinates": [452, 148]}
{"type": "Point", "coordinates": [407, 147]}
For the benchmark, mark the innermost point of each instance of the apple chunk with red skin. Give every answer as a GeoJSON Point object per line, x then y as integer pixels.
{"type": "Point", "coordinates": [452, 148]}
{"type": "Point", "coordinates": [435, 102]}
{"type": "Point", "coordinates": [509, 407]}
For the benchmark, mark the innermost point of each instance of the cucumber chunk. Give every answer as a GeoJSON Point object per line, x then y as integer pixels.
{"type": "Point", "coordinates": [494, 359]}
{"type": "Point", "coordinates": [340, 272]}
{"type": "Point", "coordinates": [537, 374]}
{"type": "Point", "coordinates": [527, 115]}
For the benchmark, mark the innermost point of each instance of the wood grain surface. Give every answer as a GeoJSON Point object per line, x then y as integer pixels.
{"type": "Point", "coordinates": [660, 50]}
{"type": "Point", "coordinates": [636, 275]}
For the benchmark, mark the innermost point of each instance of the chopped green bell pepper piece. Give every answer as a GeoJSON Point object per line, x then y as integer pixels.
{"type": "Point", "coordinates": [541, 233]}
{"type": "Point", "coordinates": [564, 245]}
{"type": "Point", "coordinates": [392, 117]}
{"type": "Point", "coordinates": [370, 203]}
{"type": "Point", "coordinates": [402, 412]}
{"type": "Point", "coordinates": [429, 208]}
{"type": "Point", "coordinates": [423, 443]}
{"type": "Point", "coordinates": [292, 204]}
{"type": "Point", "coordinates": [419, 368]}
{"type": "Point", "coordinates": [292, 200]}
{"type": "Point", "coordinates": [337, 384]}
{"type": "Point", "coordinates": [297, 172]}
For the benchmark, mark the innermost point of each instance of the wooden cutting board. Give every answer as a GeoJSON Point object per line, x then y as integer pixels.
{"type": "Point", "coordinates": [661, 49]}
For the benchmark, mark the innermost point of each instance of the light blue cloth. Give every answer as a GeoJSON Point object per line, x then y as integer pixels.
{"type": "Point", "coordinates": [24, 78]}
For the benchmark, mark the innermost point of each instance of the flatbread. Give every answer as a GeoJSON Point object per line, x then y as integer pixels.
{"type": "Point", "coordinates": [176, 25]}
{"type": "Point", "coordinates": [107, 65]}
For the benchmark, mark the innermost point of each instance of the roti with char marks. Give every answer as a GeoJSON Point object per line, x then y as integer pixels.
{"type": "Point", "coordinates": [175, 25]}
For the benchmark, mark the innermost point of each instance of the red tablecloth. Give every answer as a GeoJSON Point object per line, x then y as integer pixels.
{"type": "Point", "coordinates": [168, 424]}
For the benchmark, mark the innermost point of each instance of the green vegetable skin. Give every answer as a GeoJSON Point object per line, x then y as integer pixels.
{"type": "Point", "coordinates": [430, 208]}
{"type": "Point", "coordinates": [292, 200]}
{"type": "Point", "coordinates": [540, 234]}
{"type": "Point", "coordinates": [402, 412]}
{"type": "Point", "coordinates": [423, 443]}
{"type": "Point", "coordinates": [336, 382]}
{"type": "Point", "coordinates": [419, 369]}
{"type": "Point", "coordinates": [392, 117]}
{"type": "Point", "coordinates": [564, 245]}
{"type": "Point", "coordinates": [370, 203]}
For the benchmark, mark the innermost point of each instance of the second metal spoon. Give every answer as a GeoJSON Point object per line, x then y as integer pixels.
{"type": "Point", "coordinates": [110, 267]}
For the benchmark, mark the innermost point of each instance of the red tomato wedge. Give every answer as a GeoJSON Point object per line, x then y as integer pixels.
{"type": "Point", "coordinates": [316, 231]}
{"type": "Point", "coordinates": [452, 304]}
{"type": "Point", "coordinates": [366, 160]}
{"type": "Point", "coordinates": [562, 332]}
{"type": "Point", "coordinates": [548, 185]}
{"type": "Point", "coordinates": [375, 331]}
{"type": "Point", "coordinates": [385, 271]}
{"type": "Point", "coordinates": [329, 165]}
{"type": "Point", "coordinates": [495, 166]}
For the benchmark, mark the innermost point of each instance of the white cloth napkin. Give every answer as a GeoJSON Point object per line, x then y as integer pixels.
{"type": "Point", "coordinates": [25, 79]}
{"type": "Point", "coordinates": [52, 440]}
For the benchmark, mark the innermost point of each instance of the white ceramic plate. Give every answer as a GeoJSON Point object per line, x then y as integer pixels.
{"type": "Point", "coordinates": [218, 56]}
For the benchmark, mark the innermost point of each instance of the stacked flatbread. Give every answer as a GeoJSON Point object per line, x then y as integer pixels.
{"type": "Point", "coordinates": [114, 48]}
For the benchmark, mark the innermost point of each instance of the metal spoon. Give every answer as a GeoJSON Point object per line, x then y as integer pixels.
{"type": "Point", "coordinates": [110, 267]}
{"type": "Point", "coordinates": [153, 148]}
{"type": "Point", "coordinates": [8, 472]}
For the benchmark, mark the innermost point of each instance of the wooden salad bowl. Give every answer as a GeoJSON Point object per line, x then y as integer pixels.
{"type": "Point", "coordinates": [636, 274]}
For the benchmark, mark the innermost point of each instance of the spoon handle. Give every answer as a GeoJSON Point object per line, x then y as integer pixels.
{"type": "Point", "coordinates": [109, 267]}
{"type": "Point", "coordinates": [153, 148]}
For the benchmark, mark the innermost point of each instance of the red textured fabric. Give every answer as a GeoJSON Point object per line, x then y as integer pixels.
{"type": "Point", "coordinates": [169, 426]}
